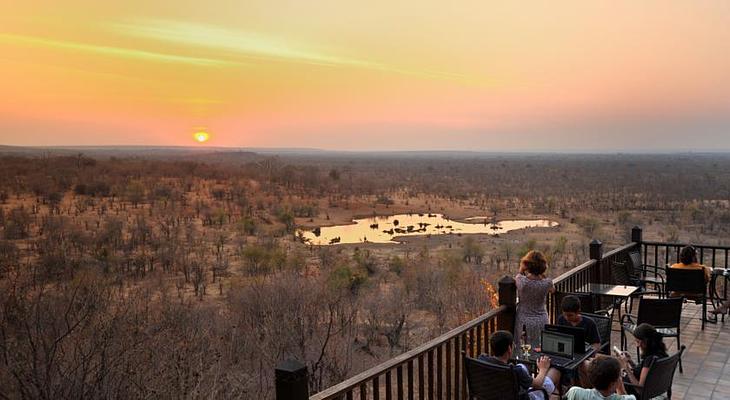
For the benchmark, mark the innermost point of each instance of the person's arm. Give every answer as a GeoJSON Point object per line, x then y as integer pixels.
{"type": "Point", "coordinates": [552, 287]}
{"type": "Point", "coordinates": [626, 364]}
{"type": "Point", "coordinates": [642, 377]}
{"type": "Point", "coordinates": [621, 390]}
{"type": "Point", "coordinates": [522, 269]}
{"type": "Point", "coordinates": [596, 347]}
{"type": "Point", "coordinates": [543, 365]}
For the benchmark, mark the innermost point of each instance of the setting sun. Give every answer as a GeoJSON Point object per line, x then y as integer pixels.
{"type": "Point", "coordinates": [201, 137]}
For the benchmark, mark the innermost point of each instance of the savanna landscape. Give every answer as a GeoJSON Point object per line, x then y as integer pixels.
{"type": "Point", "coordinates": [167, 275]}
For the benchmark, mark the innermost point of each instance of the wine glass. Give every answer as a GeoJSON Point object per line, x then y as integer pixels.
{"type": "Point", "coordinates": [526, 347]}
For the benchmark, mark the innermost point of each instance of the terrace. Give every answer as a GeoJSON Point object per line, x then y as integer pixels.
{"type": "Point", "coordinates": [434, 370]}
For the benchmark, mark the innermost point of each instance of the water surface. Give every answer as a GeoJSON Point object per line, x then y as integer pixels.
{"type": "Point", "coordinates": [383, 229]}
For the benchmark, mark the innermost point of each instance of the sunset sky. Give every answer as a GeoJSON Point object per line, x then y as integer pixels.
{"type": "Point", "coordinates": [651, 75]}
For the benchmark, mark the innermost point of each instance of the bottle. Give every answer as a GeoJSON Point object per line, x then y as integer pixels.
{"type": "Point", "coordinates": [523, 337]}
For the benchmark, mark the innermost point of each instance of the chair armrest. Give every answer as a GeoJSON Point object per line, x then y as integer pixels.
{"type": "Point", "coordinates": [603, 312]}
{"type": "Point", "coordinates": [638, 388]}
{"type": "Point", "coordinates": [658, 274]}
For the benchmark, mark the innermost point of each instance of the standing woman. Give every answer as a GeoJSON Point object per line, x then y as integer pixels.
{"type": "Point", "coordinates": [532, 289]}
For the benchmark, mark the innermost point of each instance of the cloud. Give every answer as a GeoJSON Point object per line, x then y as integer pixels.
{"type": "Point", "coordinates": [109, 51]}
{"type": "Point", "coordinates": [259, 47]}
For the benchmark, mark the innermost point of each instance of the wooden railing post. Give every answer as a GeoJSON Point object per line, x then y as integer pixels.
{"type": "Point", "coordinates": [636, 235]}
{"type": "Point", "coordinates": [507, 292]}
{"type": "Point", "coordinates": [292, 381]}
{"type": "Point", "coordinates": [595, 252]}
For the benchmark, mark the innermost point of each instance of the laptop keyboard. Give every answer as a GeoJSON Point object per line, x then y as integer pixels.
{"type": "Point", "coordinates": [557, 360]}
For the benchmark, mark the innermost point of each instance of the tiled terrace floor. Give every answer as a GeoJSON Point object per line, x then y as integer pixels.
{"type": "Point", "coordinates": [706, 360]}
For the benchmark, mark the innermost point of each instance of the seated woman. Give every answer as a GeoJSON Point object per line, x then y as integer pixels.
{"type": "Point", "coordinates": [532, 289]}
{"type": "Point", "coordinates": [652, 346]}
{"type": "Point", "coordinates": [688, 260]}
{"type": "Point", "coordinates": [605, 377]}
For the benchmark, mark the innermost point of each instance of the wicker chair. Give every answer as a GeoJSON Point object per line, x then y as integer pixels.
{"type": "Point", "coordinates": [632, 273]}
{"type": "Point", "coordinates": [603, 323]}
{"type": "Point", "coordinates": [488, 381]}
{"type": "Point", "coordinates": [663, 314]}
{"type": "Point", "coordinates": [689, 283]}
{"type": "Point", "coordinates": [660, 377]}
{"type": "Point", "coordinates": [589, 303]}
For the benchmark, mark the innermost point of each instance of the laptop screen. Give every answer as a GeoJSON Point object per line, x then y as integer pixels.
{"type": "Point", "coordinates": [558, 344]}
{"type": "Point", "coordinates": [579, 346]}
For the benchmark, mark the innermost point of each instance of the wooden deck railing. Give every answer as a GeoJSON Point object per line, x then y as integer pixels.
{"type": "Point", "coordinates": [434, 370]}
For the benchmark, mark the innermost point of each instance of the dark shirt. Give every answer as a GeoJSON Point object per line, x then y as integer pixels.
{"type": "Point", "coordinates": [589, 326]}
{"type": "Point", "coordinates": [523, 377]}
{"type": "Point", "coordinates": [646, 361]}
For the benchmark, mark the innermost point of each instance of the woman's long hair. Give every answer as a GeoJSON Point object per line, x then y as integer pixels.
{"type": "Point", "coordinates": [654, 341]}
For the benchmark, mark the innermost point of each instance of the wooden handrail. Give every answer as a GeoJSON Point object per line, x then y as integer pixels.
{"type": "Point", "coordinates": [365, 376]}
{"type": "Point", "coordinates": [586, 265]}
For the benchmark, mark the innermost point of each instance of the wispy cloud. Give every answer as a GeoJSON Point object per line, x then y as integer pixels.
{"type": "Point", "coordinates": [259, 47]}
{"type": "Point", "coordinates": [121, 52]}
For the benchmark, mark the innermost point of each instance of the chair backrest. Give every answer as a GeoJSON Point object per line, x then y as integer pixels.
{"type": "Point", "coordinates": [661, 313]}
{"type": "Point", "coordinates": [587, 301]}
{"type": "Point", "coordinates": [487, 381]}
{"type": "Point", "coordinates": [635, 258]}
{"type": "Point", "coordinates": [603, 323]}
{"type": "Point", "coordinates": [620, 273]}
{"type": "Point", "coordinates": [686, 281]}
{"type": "Point", "coordinates": [661, 374]}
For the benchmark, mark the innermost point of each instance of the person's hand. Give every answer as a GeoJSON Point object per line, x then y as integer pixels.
{"type": "Point", "coordinates": [543, 364]}
{"type": "Point", "coordinates": [624, 359]}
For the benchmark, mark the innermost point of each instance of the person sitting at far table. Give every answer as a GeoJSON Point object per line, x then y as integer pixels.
{"type": "Point", "coordinates": [605, 376]}
{"type": "Point", "coordinates": [502, 345]}
{"type": "Point", "coordinates": [688, 260]}
{"type": "Point", "coordinates": [571, 316]}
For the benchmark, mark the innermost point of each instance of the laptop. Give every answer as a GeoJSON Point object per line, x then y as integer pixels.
{"type": "Point", "coordinates": [579, 335]}
{"type": "Point", "coordinates": [558, 346]}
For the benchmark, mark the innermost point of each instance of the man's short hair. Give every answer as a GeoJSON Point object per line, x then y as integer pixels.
{"type": "Point", "coordinates": [570, 304]}
{"type": "Point", "coordinates": [500, 342]}
{"type": "Point", "coordinates": [604, 371]}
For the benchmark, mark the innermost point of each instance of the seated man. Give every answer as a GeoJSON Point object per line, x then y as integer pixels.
{"type": "Point", "coordinates": [605, 376]}
{"type": "Point", "coordinates": [571, 316]}
{"type": "Point", "coordinates": [502, 343]}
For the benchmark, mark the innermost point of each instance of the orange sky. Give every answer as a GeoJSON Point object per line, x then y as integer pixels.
{"type": "Point", "coordinates": [483, 75]}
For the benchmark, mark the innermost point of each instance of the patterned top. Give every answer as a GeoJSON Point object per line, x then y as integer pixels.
{"type": "Point", "coordinates": [531, 309]}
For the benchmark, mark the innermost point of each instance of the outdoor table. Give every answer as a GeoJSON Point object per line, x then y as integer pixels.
{"type": "Point", "coordinates": [603, 289]}
{"type": "Point", "coordinates": [616, 292]}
